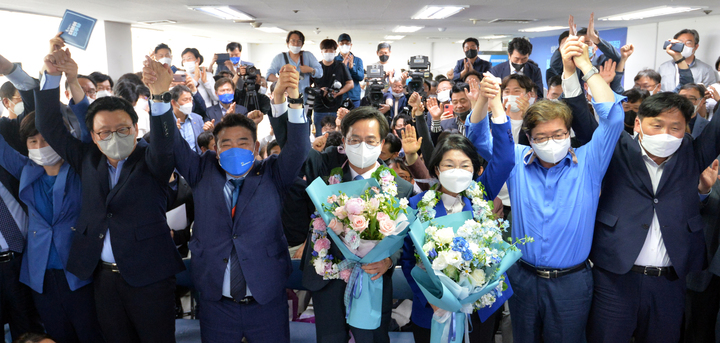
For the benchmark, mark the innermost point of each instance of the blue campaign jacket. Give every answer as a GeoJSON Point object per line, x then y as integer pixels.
{"type": "Point", "coordinates": [256, 231]}
{"type": "Point", "coordinates": [493, 178]}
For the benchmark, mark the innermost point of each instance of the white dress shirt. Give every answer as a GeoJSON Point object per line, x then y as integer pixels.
{"type": "Point", "coordinates": [453, 204]}
{"type": "Point", "coordinates": [653, 252]}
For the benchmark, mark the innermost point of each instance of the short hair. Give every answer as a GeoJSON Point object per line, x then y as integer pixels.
{"type": "Point", "coordinates": [295, 32]}
{"type": "Point", "coordinates": [471, 40]}
{"type": "Point", "coordinates": [649, 73]}
{"type": "Point", "coordinates": [126, 90]}
{"type": "Point", "coordinates": [454, 142]}
{"type": "Point", "coordinates": [273, 143]}
{"type": "Point", "coordinates": [225, 74]}
{"type": "Point", "coordinates": [143, 90]}
{"type": "Point", "coordinates": [562, 36]}
{"type": "Point", "coordinates": [665, 101]}
{"type": "Point", "coordinates": [27, 126]}
{"type": "Point", "coordinates": [109, 103]}
{"type": "Point", "coordinates": [233, 45]}
{"type": "Point", "coordinates": [696, 86]}
{"type": "Point", "coordinates": [695, 34]}
{"type": "Point", "coordinates": [452, 84]}
{"type": "Point", "coordinates": [544, 111]}
{"type": "Point", "coordinates": [162, 46]}
{"type": "Point", "coordinates": [100, 78]}
{"type": "Point", "coordinates": [67, 83]}
{"type": "Point", "coordinates": [636, 94]}
{"type": "Point", "coordinates": [195, 53]}
{"type": "Point", "coordinates": [583, 31]}
{"type": "Point", "coordinates": [555, 81]}
{"type": "Point", "coordinates": [394, 141]}
{"type": "Point", "coordinates": [328, 120]}
{"type": "Point", "coordinates": [235, 120]}
{"type": "Point", "coordinates": [7, 91]}
{"type": "Point", "coordinates": [384, 45]}
{"type": "Point", "coordinates": [523, 81]}
{"type": "Point", "coordinates": [459, 87]}
{"type": "Point", "coordinates": [334, 138]}
{"type": "Point", "coordinates": [362, 113]}
{"type": "Point", "coordinates": [130, 77]}
{"type": "Point", "coordinates": [223, 81]}
{"type": "Point", "coordinates": [203, 139]}
{"type": "Point", "coordinates": [328, 44]}
{"type": "Point", "coordinates": [521, 45]}
{"type": "Point", "coordinates": [471, 73]}
{"type": "Point", "coordinates": [31, 337]}
{"type": "Point", "coordinates": [406, 120]}
{"type": "Point", "coordinates": [178, 91]}
{"type": "Point", "coordinates": [440, 78]}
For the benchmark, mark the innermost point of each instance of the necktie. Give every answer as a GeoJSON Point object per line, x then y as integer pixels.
{"type": "Point", "coordinates": [238, 285]}
{"type": "Point", "coordinates": [10, 230]}
{"type": "Point", "coordinates": [237, 184]}
{"type": "Point", "coordinates": [359, 177]}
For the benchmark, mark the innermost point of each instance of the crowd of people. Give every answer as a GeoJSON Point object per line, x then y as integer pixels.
{"type": "Point", "coordinates": [106, 188]}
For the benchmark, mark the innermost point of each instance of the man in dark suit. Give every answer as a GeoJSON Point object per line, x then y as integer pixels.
{"type": "Point", "coordinates": [225, 90]}
{"type": "Point", "coordinates": [240, 255]}
{"type": "Point", "coordinates": [519, 50]}
{"type": "Point", "coordinates": [648, 232]}
{"type": "Point", "coordinates": [122, 238]}
{"type": "Point", "coordinates": [471, 61]}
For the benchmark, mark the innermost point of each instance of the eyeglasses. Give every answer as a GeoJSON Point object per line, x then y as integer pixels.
{"type": "Point", "coordinates": [91, 92]}
{"type": "Point", "coordinates": [556, 137]}
{"type": "Point", "coordinates": [689, 43]}
{"type": "Point", "coordinates": [370, 141]}
{"type": "Point", "coordinates": [121, 133]}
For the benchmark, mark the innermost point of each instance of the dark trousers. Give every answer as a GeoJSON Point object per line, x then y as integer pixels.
{"type": "Point", "coordinates": [701, 314]}
{"type": "Point", "coordinates": [330, 324]}
{"type": "Point", "coordinates": [479, 332]}
{"type": "Point", "coordinates": [550, 310]}
{"type": "Point", "coordinates": [69, 316]}
{"type": "Point", "coordinates": [649, 308]}
{"type": "Point", "coordinates": [16, 304]}
{"type": "Point", "coordinates": [134, 314]}
{"type": "Point", "coordinates": [226, 321]}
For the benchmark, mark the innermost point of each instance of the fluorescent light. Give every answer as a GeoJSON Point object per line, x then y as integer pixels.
{"type": "Point", "coordinates": [651, 12]}
{"type": "Point", "coordinates": [386, 41]}
{"type": "Point", "coordinates": [438, 12]}
{"type": "Point", "coordinates": [407, 28]}
{"type": "Point", "coordinates": [223, 12]}
{"type": "Point", "coordinates": [494, 37]}
{"type": "Point", "coordinates": [271, 29]}
{"type": "Point", "coordinates": [543, 28]}
{"type": "Point", "coordinates": [394, 37]}
{"type": "Point", "coordinates": [158, 22]}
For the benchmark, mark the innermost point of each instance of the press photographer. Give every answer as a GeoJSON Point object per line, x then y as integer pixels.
{"type": "Point", "coordinates": [374, 94]}
{"type": "Point", "coordinates": [328, 90]}
{"type": "Point", "coordinates": [247, 92]}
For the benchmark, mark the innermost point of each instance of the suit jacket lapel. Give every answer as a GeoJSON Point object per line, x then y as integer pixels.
{"type": "Point", "coordinates": [347, 175]}
{"type": "Point", "coordinates": [440, 210]}
{"type": "Point", "coordinates": [669, 166]}
{"type": "Point", "coordinates": [59, 191]}
{"type": "Point", "coordinates": [103, 174]}
{"type": "Point", "coordinates": [252, 180]}
{"type": "Point", "coordinates": [125, 171]}
{"type": "Point", "coordinates": [636, 161]}
{"type": "Point", "coordinates": [468, 204]}
{"type": "Point", "coordinates": [218, 188]}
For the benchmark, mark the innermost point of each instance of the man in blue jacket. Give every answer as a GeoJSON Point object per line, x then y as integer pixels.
{"type": "Point", "coordinates": [519, 50]}
{"type": "Point", "coordinates": [354, 65]}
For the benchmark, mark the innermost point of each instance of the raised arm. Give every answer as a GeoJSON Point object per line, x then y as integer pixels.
{"type": "Point", "coordinates": [607, 49]}
{"type": "Point", "coordinates": [477, 129]}
{"type": "Point", "coordinates": [685, 75]}
{"type": "Point", "coordinates": [11, 160]}
{"type": "Point", "coordinates": [426, 146]}
{"type": "Point", "coordinates": [79, 103]}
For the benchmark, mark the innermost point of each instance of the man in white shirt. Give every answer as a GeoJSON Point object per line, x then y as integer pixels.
{"type": "Point", "coordinates": [702, 72]}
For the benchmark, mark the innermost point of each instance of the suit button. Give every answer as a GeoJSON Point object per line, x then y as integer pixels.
{"type": "Point", "coordinates": [101, 236]}
{"type": "Point", "coordinates": [72, 228]}
{"type": "Point", "coordinates": [234, 236]}
{"type": "Point", "coordinates": [646, 226]}
{"type": "Point", "coordinates": [225, 260]}
{"type": "Point", "coordinates": [109, 215]}
{"type": "Point", "coordinates": [655, 201]}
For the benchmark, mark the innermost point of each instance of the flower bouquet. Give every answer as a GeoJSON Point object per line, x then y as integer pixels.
{"type": "Point", "coordinates": [463, 262]}
{"type": "Point", "coordinates": [367, 224]}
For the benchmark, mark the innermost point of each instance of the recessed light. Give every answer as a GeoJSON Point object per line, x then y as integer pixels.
{"type": "Point", "coordinates": [438, 12]}
{"type": "Point", "coordinates": [543, 28]}
{"type": "Point", "coordinates": [223, 12]}
{"type": "Point", "coordinates": [271, 29]}
{"type": "Point", "coordinates": [651, 12]}
{"type": "Point", "coordinates": [407, 28]}
{"type": "Point", "coordinates": [394, 37]}
{"type": "Point", "coordinates": [158, 22]}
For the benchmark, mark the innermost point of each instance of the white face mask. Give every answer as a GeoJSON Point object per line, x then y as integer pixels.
{"type": "Point", "coordinates": [554, 100]}
{"type": "Point", "coordinates": [660, 145]}
{"type": "Point", "coordinates": [455, 180]}
{"type": "Point", "coordinates": [102, 94]}
{"type": "Point", "coordinates": [552, 151]}
{"type": "Point", "coordinates": [116, 147]}
{"type": "Point", "coordinates": [187, 108]}
{"type": "Point", "coordinates": [44, 156]}
{"type": "Point", "coordinates": [18, 108]}
{"type": "Point", "coordinates": [443, 96]}
{"type": "Point", "coordinates": [143, 104]}
{"type": "Point", "coordinates": [189, 66]}
{"type": "Point", "coordinates": [328, 56]}
{"type": "Point", "coordinates": [363, 155]}
{"type": "Point", "coordinates": [344, 49]}
{"type": "Point", "coordinates": [263, 90]}
{"type": "Point", "coordinates": [295, 49]}
{"type": "Point", "coordinates": [397, 95]}
{"type": "Point", "coordinates": [166, 60]}
{"type": "Point", "coordinates": [687, 51]}
{"type": "Point", "coordinates": [531, 101]}
{"type": "Point", "coordinates": [512, 101]}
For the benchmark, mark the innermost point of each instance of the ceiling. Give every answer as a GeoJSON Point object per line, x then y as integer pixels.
{"type": "Point", "coordinates": [364, 20]}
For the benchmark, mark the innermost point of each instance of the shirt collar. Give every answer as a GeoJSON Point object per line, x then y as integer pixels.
{"type": "Point", "coordinates": [648, 159]}
{"type": "Point", "coordinates": [119, 165]}
{"type": "Point", "coordinates": [367, 174]}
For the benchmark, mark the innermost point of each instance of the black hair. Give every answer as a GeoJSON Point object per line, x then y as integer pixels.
{"type": "Point", "coordinates": [295, 32]}
{"type": "Point", "coordinates": [31, 337]}
{"type": "Point", "coordinates": [695, 34]}
{"type": "Point", "coordinates": [126, 90]}
{"type": "Point", "coordinates": [233, 120]}
{"type": "Point", "coordinates": [441, 78]}
{"type": "Point", "coordinates": [7, 91]}
{"type": "Point", "coordinates": [665, 101]}
{"type": "Point", "coordinates": [109, 103]}
{"type": "Point", "coordinates": [328, 44]}
{"type": "Point", "coordinates": [222, 81]}
{"type": "Point", "coordinates": [394, 141]}
{"type": "Point", "coordinates": [471, 40]}
{"type": "Point", "coordinates": [328, 120]}
{"type": "Point", "coordinates": [195, 53]}
{"type": "Point", "coordinates": [472, 73]}
{"type": "Point", "coordinates": [406, 120]}
{"type": "Point", "coordinates": [562, 36]}
{"type": "Point", "coordinates": [460, 87]}
{"type": "Point", "coordinates": [334, 138]}
{"type": "Point", "coordinates": [178, 91]}
{"type": "Point", "coordinates": [27, 126]}
{"type": "Point", "coordinates": [521, 45]}
{"type": "Point", "coordinates": [454, 142]}
{"type": "Point", "coordinates": [555, 81]}
{"type": "Point", "coordinates": [362, 113]}
{"type": "Point", "coordinates": [583, 31]}
{"type": "Point", "coordinates": [233, 45]}
{"type": "Point", "coordinates": [696, 86]}
{"type": "Point", "coordinates": [523, 81]}
{"type": "Point", "coordinates": [162, 46]}
{"type": "Point", "coordinates": [273, 143]}
{"type": "Point", "coordinates": [67, 84]}
{"type": "Point", "coordinates": [635, 94]}
{"type": "Point", "coordinates": [130, 77]}
{"type": "Point", "coordinates": [100, 78]}
{"type": "Point", "coordinates": [384, 45]}
{"type": "Point", "coordinates": [203, 139]}
{"type": "Point", "coordinates": [649, 73]}
{"type": "Point", "coordinates": [717, 64]}
{"type": "Point", "coordinates": [143, 90]}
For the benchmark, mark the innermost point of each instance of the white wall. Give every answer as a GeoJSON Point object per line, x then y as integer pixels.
{"type": "Point", "coordinates": [119, 53]}
{"type": "Point", "coordinates": [648, 40]}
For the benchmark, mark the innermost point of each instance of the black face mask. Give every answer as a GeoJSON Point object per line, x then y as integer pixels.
{"type": "Point", "coordinates": [462, 115]}
{"type": "Point", "coordinates": [384, 58]}
{"type": "Point", "coordinates": [517, 66]}
{"type": "Point", "coordinates": [400, 132]}
{"type": "Point", "coordinates": [471, 53]}
{"type": "Point", "coordinates": [630, 121]}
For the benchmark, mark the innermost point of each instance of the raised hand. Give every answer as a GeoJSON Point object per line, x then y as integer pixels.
{"type": "Point", "coordinates": [256, 116]}
{"type": "Point", "coordinates": [341, 112]}
{"type": "Point", "coordinates": [474, 93]}
{"type": "Point", "coordinates": [288, 79]}
{"type": "Point", "coordinates": [190, 83]}
{"type": "Point", "coordinates": [56, 43]}
{"type": "Point", "coordinates": [433, 108]}
{"type": "Point", "coordinates": [415, 100]}
{"type": "Point", "coordinates": [571, 48]}
{"type": "Point", "coordinates": [607, 70]}
{"type": "Point", "coordinates": [626, 51]}
{"type": "Point", "coordinates": [209, 125]}
{"type": "Point", "coordinates": [708, 178]}
{"type": "Point", "coordinates": [489, 87]}
{"type": "Point", "coordinates": [674, 54]}
{"type": "Point", "coordinates": [231, 109]}
{"type": "Point", "coordinates": [591, 36]}
{"type": "Point", "coordinates": [582, 60]}
{"type": "Point", "coordinates": [571, 26]}
{"type": "Point", "coordinates": [70, 67]}
{"type": "Point", "coordinates": [523, 102]}
{"type": "Point", "coordinates": [713, 92]}
{"type": "Point", "coordinates": [157, 76]}
{"type": "Point", "coordinates": [319, 143]}
{"type": "Point", "coordinates": [410, 142]}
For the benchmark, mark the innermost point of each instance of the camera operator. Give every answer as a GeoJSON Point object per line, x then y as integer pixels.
{"type": "Point", "coordinates": [247, 92]}
{"type": "Point", "coordinates": [303, 61]}
{"type": "Point", "coordinates": [335, 81]}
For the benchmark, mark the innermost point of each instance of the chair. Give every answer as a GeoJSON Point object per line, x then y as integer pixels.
{"type": "Point", "coordinates": [184, 279]}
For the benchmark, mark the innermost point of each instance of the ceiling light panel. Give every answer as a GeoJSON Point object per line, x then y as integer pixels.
{"type": "Point", "coordinates": [407, 28]}
{"type": "Point", "coordinates": [438, 12]}
{"type": "Point", "coordinates": [543, 28]}
{"type": "Point", "coordinates": [651, 12]}
{"type": "Point", "coordinates": [223, 12]}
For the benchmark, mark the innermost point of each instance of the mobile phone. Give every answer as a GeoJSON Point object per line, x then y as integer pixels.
{"type": "Point", "coordinates": [449, 108]}
{"type": "Point", "coordinates": [677, 47]}
{"type": "Point", "coordinates": [179, 77]}
{"type": "Point", "coordinates": [221, 58]}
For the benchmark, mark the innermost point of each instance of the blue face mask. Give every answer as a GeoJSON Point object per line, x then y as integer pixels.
{"type": "Point", "coordinates": [235, 60]}
{"type": "Point", "coordinates": [226, 98]}
{"type": "Point", "coordinates": [237, 161]}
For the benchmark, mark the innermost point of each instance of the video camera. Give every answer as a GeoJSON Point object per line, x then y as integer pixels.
{"type": "Point", "coordinates": [419, 70]}
{"type": "Point", "coordinates": [376, 83]}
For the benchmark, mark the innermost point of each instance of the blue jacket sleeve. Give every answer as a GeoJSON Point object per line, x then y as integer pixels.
{"type": "Point", "coordinates": [292, 156]}
{"type": "Point", "coordinates": [503, 161]}
{"type": "Point", "coordinates": [479, 135]}
{"type": "Point", "coordinates": [686, 77]}
{"type": "Point", "coordinates": [357, 72]}
{"type": "Point", "coordinates": [616, 83]}
{"type": "Point", "coordinates": [608, 50]}
{"type": "Point", "coordinates": [80, 111]}
{"type": "Point", "coordinates": [604, 139]}
{"type": "Point", "coordinates": [11, 160]}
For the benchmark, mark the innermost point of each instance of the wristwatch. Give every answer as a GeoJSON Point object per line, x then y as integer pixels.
{"type": "Point", "coordinates": [295, 101]}
{"type": "Point", "coordinates": [164, 97]}
{"type": "Point", "coordinates": [592, 72]}
{"type": "Point", "coordinates": [680, 60]}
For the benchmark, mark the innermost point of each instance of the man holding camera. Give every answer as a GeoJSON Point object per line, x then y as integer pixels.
{"type": "Point", "coordinates": [335, 81]}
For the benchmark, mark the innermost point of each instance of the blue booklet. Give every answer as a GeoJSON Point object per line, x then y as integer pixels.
{"type": "Point", "coordinates": [76, 29]}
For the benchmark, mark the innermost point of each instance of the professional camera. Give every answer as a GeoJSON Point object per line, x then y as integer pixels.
{"type": "Point", "coordinates": [336, 87]}
{"type": "Point", "coordinates": [376, 83]}
{"type": "Point", "coordinates": [312, 95]}
{"type": "Point", "coordinates": [419, 70]}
